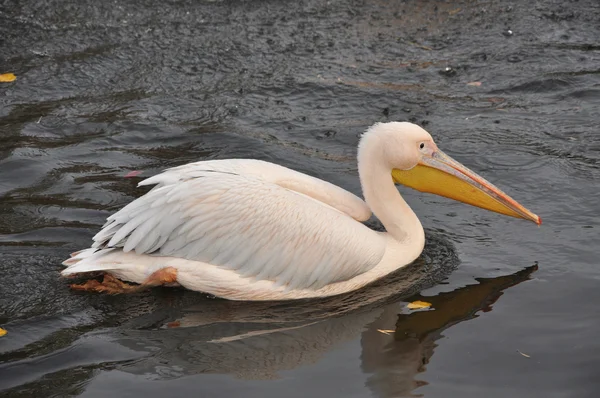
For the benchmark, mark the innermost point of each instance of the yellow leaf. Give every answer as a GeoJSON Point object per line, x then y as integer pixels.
{"type": "Point", "coordinates": [476, 84]}
{"type": "Point", "coordinates": [386, 331]}
{"type": "Point", "coordinates": [7, 77]}
{"type": "Point", "coordinates": [2, 332]}
{"type": "Point", "coordinates": [417, 305]}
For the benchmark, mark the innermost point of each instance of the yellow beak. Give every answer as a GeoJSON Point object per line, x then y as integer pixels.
{"type": "Point", "coordinates": [438, 173]}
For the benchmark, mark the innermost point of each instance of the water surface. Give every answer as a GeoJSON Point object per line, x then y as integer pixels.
{"type": "Point", "coordinates": [105, 88]}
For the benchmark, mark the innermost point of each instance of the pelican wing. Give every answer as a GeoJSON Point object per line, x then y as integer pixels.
{"type": "Point", "coordinates": [320, 190]}
{"type": "Point", "coordinates": [261, 220]}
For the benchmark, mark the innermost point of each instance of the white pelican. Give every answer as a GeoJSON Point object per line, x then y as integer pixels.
{"type": "Point", "coordinates": [245, 229]}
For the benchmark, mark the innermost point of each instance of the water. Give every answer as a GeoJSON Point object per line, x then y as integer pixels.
{"type": "Point", "coordinates": [105, 88]}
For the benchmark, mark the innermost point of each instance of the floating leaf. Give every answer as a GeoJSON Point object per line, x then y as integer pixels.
{"type": "Point", "coordinates": [525, 355]}
{"type": "Point", "coordinates": [417, 305]}
{"type": "Point", "coordinates": [476, 84]}
{"type": "Point", "coordinates": [133, 173]}
{"type": "Point", "coordinates": [386, 331]}
{"type": "Point", "coordinates": [2, 332]}
{"type": "Point", "coordinates": [7, 77]}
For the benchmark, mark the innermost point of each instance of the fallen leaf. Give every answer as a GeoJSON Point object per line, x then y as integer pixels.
{"type": "Point", "coordinates": [7, 77]}
{"type": "Point", "coordinates": [2, 332]}
{"type": "Point", "coordinates": [416, 305]}
{"type": "Point", "coordinates": [476, 84]}
{"type": "Point", "coordinates": [525, 355]}
{"type": "Point", "coordinates": [452, 12]}
{"type": "Point", "coordinates": [133, 173]}
{"type": "Point", "coordinates": [386, 331]}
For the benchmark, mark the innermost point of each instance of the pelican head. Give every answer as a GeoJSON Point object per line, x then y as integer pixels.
{"type": "Point", "coordinates": [416, 162]}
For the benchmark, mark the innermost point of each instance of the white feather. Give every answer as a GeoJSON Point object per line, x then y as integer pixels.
{"type": "Point", "coordinates": [223, 214]}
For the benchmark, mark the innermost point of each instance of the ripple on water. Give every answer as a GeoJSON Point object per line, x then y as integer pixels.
{"type": "Point", "coordinates": [103, 89]}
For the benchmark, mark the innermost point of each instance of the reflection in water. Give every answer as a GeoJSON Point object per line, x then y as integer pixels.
{"type": "Point", "coordinates": [395, 363]}
{"type": "Point", "coordinates": [260, 341]}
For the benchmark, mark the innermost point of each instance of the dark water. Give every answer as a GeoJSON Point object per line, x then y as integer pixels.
{"type": "Point", "coordinates": [105, 88]}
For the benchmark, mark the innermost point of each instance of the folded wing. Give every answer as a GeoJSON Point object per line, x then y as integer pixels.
{"type": "Point", "coordinates": [259, 219]}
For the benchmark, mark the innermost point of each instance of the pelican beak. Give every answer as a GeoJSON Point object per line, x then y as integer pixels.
{"type": "Point", "coordinates": [438, 173]}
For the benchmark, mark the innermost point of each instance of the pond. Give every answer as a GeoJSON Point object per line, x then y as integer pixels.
{"type": "Point", "coordinates": [510, 89]}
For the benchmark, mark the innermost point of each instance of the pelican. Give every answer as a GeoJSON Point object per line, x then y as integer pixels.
{"type": "Point", "coordinates": [244, 229]}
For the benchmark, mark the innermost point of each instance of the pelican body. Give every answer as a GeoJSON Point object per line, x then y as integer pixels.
{"type": "Point", "coordinates": [245, 229]}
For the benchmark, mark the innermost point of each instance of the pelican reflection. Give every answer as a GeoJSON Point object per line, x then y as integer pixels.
{"type": "Point", "coordinates": [259, 341]}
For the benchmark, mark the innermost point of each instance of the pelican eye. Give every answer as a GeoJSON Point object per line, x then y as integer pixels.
{"type": "Point", "coordinates": [422, 145]}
